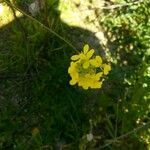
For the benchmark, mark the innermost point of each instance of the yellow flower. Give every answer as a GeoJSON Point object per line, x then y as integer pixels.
{"type": "Point", "coordinates": [84, 69]}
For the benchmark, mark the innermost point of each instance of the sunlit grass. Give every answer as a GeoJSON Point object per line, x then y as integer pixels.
{"type": "Point", "coordinates": [6, 14]}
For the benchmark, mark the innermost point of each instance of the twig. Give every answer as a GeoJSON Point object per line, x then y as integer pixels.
{"type": "Point", "coordinates": [41, 24]}
{"type": "Point", "coordinates": [124, 135]}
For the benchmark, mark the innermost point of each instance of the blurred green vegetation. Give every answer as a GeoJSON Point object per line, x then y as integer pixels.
{"type": "Point", "coordinates": [40, 110]}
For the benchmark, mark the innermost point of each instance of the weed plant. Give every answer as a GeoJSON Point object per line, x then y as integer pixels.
{"type": "Point", "coordinates": [40, 110]}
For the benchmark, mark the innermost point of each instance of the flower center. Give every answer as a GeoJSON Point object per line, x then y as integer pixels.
{"type": "Point", "coordinates": [82, 71]}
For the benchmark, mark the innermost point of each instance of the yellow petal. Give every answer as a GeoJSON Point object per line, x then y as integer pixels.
{"type": "Point", "coordinates": [107, 68]}
{"type": "Point", "coordinates": [72, 67]}
{"type": "Point", "coordinates": [75, 57]}
{"type": "Point", "coordinates": [83, 82]}
{"type": "Point", "coordinates": [88, 75]}
{"type": "Point", "coordinates": [85, 87]}
{"type": "Point", "coordinates": [86, 65]}
{"type": "Point", "coordinates": [96, 85]}
{"type": "Point", "coordinates": [69, 70]}
{"type": "Point", "coordinates": [82, 56]}
{"type": "Point", "coordinates": [93, 62]}
{"type": "Point", "coordinates": [74, 75]}
{"type": "Point", "coordinates": [98, 59]}
{"type": "Point", "coordinates": [98, 75]}
{"type": "Point", "coordinates": [73, 82]}
{"type": "Point", "coordinates": [86, 48]}
{"type": "Point", "coordinates": [90, 54]}
{"type": "Point", "coordinates": [96, 62]}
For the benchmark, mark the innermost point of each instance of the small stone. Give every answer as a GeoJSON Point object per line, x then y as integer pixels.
{"type": "Point", "coordinates": [89, 137]}
{"type": "Point", "coordinates": [34, 8]}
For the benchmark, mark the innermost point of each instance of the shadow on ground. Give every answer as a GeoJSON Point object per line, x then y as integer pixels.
{"type": "Point", "coordinates": [34, 91]}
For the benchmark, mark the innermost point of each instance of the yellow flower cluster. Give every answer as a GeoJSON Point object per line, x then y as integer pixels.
{"type": "Point", "coordinates": [86, 69]}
